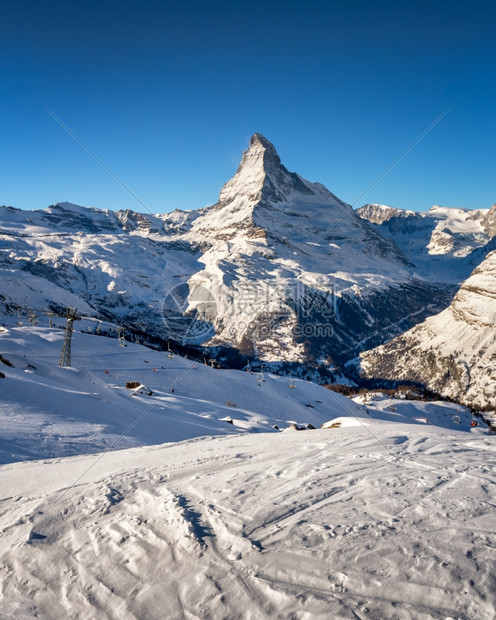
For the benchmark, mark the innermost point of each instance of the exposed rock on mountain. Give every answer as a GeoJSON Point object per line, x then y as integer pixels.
{"type": "Point", "coordinates": [279, 268]}
{"type": "Point", "coordinates": [378, 214]}
{"type": "Point", "coordinates": [452, 353]}
{"type": "Point", "coordinates": [442, 231]}
{"type": "Point", "coordinates": [489, 221]}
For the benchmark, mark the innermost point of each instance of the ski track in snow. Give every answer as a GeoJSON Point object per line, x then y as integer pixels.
{"type": "Point", "coordinates": [318, 524]}
{"type": "Point", "coordinates": [322, 524]}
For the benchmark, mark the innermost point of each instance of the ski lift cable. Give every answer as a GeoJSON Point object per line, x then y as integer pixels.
{"type": "Point", "coordinates": [32, 316]}
{"type": "Point", "coordinates": [114, 176]}
{"type": "Point", "coordinates": [101, 323]}
{"type": "Point", "coordinates": [94, 319]}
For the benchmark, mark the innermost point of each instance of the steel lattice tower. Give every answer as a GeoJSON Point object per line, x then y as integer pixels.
{"type": "Point", "coordinates": [65, 355]}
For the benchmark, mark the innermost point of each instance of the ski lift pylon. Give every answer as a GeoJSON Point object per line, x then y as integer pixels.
{"type": "Point", "coordinates": [120, 337]}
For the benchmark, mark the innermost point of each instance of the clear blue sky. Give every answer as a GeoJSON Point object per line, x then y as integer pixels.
{"type": "Point", "coordinates": [167, 94]}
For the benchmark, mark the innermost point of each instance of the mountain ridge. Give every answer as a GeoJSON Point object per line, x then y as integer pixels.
{"type": "Point", "coordinates": [452, 352]}
{"type": "Point", "coordinates": [276, 255]}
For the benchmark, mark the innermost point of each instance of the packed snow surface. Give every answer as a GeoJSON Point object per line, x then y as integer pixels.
{"type": "Point", "coordinates": [322, 524]}
{"type": "Point", "coordinates": [388, 514]}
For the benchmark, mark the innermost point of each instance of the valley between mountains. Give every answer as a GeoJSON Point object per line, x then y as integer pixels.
{"type": "Point", "coordinates": [276, 406]}
{"type": "Point", "coordinates": [279, 271]}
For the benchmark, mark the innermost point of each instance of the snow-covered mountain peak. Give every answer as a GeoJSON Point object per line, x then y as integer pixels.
{"type": "Point", "coordinates": [261, 177]}
{"type": "Point", "coordinates": [263, 196]}
{"type": "Point", "coordinates": [261, 180]}
{"type": "Point", "coordinates": [261, 149]}
{"type": "Point", "coordinates": [260, 158]}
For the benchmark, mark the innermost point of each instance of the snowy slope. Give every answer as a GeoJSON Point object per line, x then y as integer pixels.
{"type": "Point", "coordinates": [322, 524]}
{"type": "Point", "coordinates": [453, 352]}
{"type": "Point", "coordinates": [90, 262]}
{"type": "Point", "coordinates": [385, 513]}
{"type": "Point", "coordinates": [47, 411]}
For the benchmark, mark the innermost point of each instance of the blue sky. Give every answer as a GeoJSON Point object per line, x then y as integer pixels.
{"type": "Point", "coordinates": [168, 94]}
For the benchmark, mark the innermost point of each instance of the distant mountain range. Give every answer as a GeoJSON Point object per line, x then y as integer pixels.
{"type": "Point", "coordinates": [279, 269]}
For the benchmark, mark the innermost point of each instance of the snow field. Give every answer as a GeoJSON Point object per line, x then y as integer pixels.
{"type": "Point", "coordinates": [389, 515]}
{"type": "Point", "coordinates": [47, 411]}
{"type": "Point", "coordinates": [304, 525]}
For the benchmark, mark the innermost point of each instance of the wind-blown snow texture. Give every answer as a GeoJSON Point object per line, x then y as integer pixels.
{"type": "Point", "coordinates": [386, 513]}
{"type": "Point", "coordinates": [320, 524]}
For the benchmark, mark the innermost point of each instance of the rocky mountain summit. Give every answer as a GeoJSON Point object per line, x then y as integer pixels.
{"type": "Point", "coordinates": [279, 269]}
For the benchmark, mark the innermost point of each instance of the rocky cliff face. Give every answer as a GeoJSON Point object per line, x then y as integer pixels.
{"type": "Point", "coordinates": [279, 267]}
{"type": "Point", "coordinates": [452, 353]}
{"type": "Point", "coordinates": [489, 222]}
{"type": "Point", "coordinates": [379, 214]}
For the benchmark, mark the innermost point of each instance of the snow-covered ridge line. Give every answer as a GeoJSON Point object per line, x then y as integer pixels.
{"type": "Point", "coordinates": [291, 272]}
{"type": "Point", "coordinates": [440, 231]}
